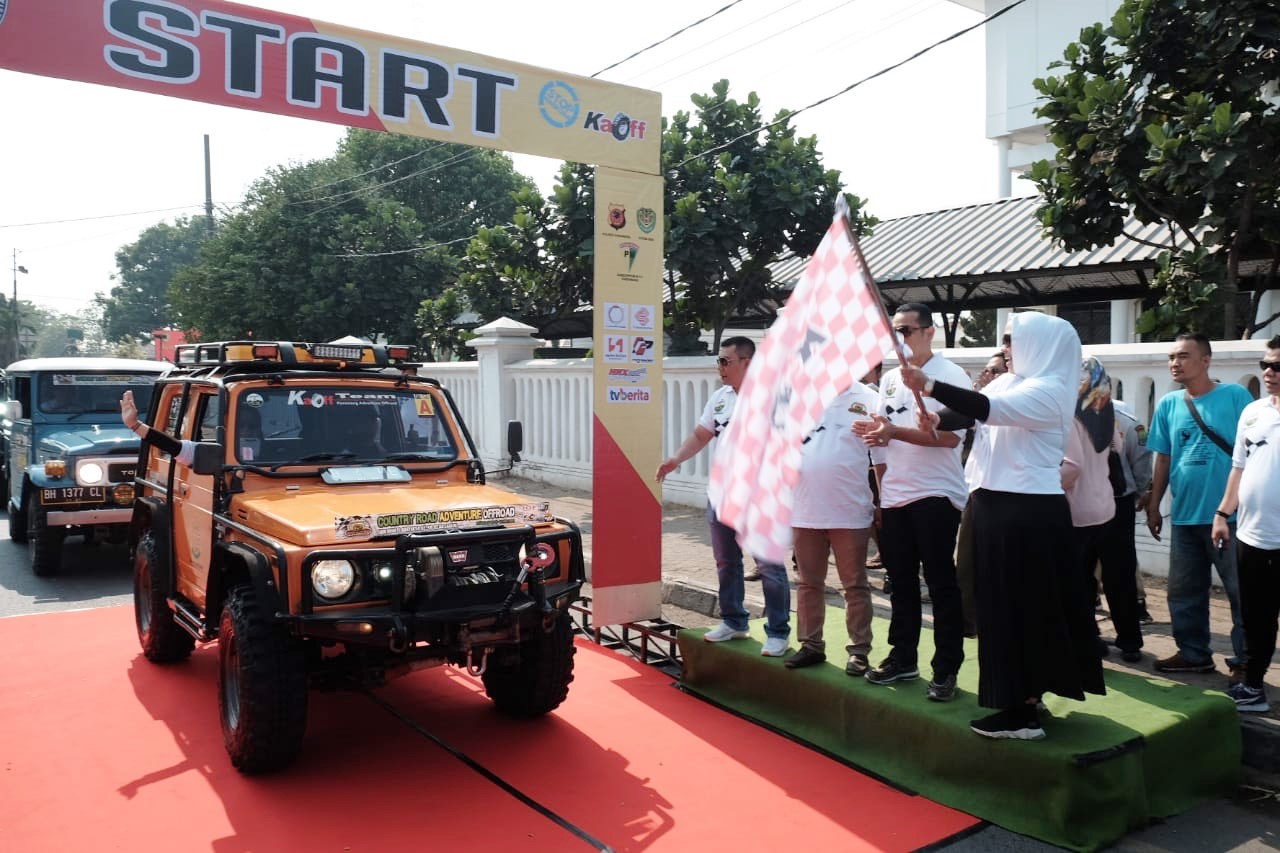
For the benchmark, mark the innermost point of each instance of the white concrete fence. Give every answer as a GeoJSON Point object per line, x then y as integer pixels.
{"type": "Point", "coordinates": [552, 398]}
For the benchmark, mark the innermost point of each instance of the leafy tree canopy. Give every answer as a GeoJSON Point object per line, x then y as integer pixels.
{"type": "Point", "coordinates": [348, 245]}
{"type": "Point", "coordinates": [1171, 112]}
{"type": "Point", "coordinates": [139, 302]}
{"type": "Point", "coordinates": [738, 197]}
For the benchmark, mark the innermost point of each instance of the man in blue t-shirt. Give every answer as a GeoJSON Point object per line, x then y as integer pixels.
{"type": "Point", "coordinates": [1190, 461]}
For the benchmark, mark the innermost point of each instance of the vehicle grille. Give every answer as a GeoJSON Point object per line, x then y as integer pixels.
{"type": "Point", "coordinates": [122, 472]}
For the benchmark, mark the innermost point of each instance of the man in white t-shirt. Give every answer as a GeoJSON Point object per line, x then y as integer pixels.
{"type": "Point", "coordinates": [922, 493]}
{"type": "Point", "coordinates": [1253, 488]}
{"type": "Point", "coordinates": [832, 512]}
{"type": "Point", "coordinates": [735, 354]}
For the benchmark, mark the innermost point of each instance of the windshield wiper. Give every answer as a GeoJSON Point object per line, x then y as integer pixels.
{"type": "Point", "coordinates": [414, 456]}
{"type": "Point", "coordinates": [316, 457]}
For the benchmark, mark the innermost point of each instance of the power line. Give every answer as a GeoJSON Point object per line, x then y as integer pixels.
{"type": "Point", "coordinates": [103, 216]}
{"type": "Point", "coordinates": [668, 38]}
{"type": "Point", "coordinates": [785, 118]}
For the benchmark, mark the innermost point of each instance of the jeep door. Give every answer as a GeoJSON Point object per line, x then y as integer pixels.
{"type": "Point", "coordinates": [192, 500]}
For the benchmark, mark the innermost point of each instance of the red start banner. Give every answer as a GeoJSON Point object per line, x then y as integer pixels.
{"type": "Point", "coordinates": [239, 56]}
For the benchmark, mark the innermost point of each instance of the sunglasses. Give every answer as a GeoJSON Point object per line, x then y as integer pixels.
{"type": "Point", "coordinates": [996, 372]}
{"type": "Point", "coordinates": [1269, 365]}
{"type": "Point", "coordinates": [725, 362]}
{"type": "Point", "coordinates": [906, 331]}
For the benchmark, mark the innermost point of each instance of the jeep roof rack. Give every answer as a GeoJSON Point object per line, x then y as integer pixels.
{"type": "Point", "coordinates": [290, 353]}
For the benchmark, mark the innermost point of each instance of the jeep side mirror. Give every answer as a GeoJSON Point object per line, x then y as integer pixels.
{"type": "Point", "coordinates": [13, 409]}
{"type": "Point", "coordinates": [515, 439]}
{"type": "Point", "coordinates": [208, 458]}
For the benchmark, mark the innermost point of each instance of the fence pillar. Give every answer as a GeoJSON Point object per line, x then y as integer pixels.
{"type": "Point", "coordinates": [498, 344]}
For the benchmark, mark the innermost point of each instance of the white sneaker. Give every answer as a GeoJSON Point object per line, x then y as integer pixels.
{"type": "Point", "coordinates": [774, 647]}
{"type": "Point", "coordinates": [723, 632]}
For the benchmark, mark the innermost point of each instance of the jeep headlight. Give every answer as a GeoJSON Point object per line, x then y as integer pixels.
{"type": "Point", "coordinates": [90, 474]}
{"type": "Point", "coordinates": [332, 579]}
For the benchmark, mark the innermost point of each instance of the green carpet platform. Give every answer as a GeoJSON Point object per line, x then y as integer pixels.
{"type": "Point", "coordinates": [1108, 765]}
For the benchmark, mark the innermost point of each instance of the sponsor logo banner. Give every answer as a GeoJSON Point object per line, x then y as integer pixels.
{"type": "Point", "coordinates": [396, 523]}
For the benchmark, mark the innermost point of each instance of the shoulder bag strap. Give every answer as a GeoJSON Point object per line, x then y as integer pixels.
{"type": "Point", "coordinates": [1213, 436]}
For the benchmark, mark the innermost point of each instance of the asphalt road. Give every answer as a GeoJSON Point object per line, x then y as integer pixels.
{"type": "Point", "coordinates": [100, 576]}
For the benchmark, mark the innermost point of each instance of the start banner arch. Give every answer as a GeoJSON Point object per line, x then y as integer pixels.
{"type": "Point", "coordinates": [239, 56]}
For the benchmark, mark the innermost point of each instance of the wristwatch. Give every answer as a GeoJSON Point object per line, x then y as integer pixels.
{"type": "Point", "coordinates": [928, 386]}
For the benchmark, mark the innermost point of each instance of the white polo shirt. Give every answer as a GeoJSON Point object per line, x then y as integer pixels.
{"type": "Point", "coordinates": [913, 472]}
{"type": "Point", "coordinates": [834, 492]}
{"type": "Point", "coordinates": [1257, 451]}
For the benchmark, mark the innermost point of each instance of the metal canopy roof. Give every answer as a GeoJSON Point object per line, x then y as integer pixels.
{"type": "Point", "coordinates": [994, 255]}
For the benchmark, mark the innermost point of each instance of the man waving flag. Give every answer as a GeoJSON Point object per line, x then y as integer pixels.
{"type": "Point", "coordinates": [833, 331]}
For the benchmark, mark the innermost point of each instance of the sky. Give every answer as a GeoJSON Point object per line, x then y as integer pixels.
{"type": "Point", "coordinates": [84, 169]}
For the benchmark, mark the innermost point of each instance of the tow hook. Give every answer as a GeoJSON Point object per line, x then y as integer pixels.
{"type": "Point", "coordinates": [398, 639]}
{"type": "Point", "coordinates": [531, 566]}
{"type": "Point", "coordinates": [472, 669]}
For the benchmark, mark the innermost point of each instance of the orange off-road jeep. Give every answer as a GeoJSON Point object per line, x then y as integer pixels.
{"type": "Point", "coordinates": [334, 528]}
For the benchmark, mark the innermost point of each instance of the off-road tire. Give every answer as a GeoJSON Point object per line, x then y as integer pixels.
{"type": "Point", "coordinates": [17, 524]}
{"type": "Point", "coordinates": [44, 544]}
{"type": "Point", "coordinates": [161, 639]}
{"type": "Point", "coordinates": [538, 681]}
{"type": "Point", "coordinates": [262, 686]}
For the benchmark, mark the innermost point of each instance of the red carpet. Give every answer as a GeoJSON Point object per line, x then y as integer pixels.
{"type": "Point", "coordinates": [102, 750]}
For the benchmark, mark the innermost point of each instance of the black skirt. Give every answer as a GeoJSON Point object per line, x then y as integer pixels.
{"type": "Point", "coordinates": [1035, 634]}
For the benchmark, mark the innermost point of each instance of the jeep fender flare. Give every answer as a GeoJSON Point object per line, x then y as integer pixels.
{"type": "Point", "coordinates": [152, 514]}
{"type": "Point", "coordinates": [235, 562]}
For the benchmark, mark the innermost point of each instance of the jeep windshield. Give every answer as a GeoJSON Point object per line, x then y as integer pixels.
{"type": "Point", "coordinates": [345, 424]}
{"type": "Point", "coordinates": [96, 396]}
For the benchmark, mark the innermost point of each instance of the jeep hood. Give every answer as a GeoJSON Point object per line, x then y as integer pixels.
{"type": "Point", "coordinates": [343, 515]}
{"type": "Point", "coordinates": [89, 439]}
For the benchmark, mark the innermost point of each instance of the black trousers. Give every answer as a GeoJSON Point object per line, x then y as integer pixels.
{"type": "Point", "coordinates": [1118, 555]}
{"type": "Point", "coordinates": [1259, 573]}
{"type": "Point", "coordinates": [923, 533]}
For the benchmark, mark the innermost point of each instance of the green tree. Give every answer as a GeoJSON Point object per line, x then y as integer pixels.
{"type": "Point", "coordinates": [740, 195]}
{"type": "Point", "coordinates": [537, 269]}
{"type": "Point", "coordinates": [139, 302]}
{"type": "Point", "coordinates": [1170, 112]}
{"type": "Point", "coordinates": [290, 266]}
{"type": "Point", "coordinates": [979, 328]}
{"type": "Point", "coordinates": [737, 198]}
{"type": "Point", "coordinates": [351, 244]}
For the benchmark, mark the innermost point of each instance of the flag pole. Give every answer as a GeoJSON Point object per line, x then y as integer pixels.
{"type": "Point", "coordinates": [842, 208]}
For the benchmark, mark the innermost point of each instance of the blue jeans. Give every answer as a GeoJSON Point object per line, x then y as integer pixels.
{"type": "Point", "coordinates": [777, 589]}
{"type": "Point", "coordinates": [1192, 556]}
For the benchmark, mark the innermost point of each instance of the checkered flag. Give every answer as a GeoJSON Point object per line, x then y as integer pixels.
{"type": "Point", "coordinates": [833, 331]}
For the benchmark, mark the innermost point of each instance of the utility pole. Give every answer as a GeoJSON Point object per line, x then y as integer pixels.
{"type": "Point", "coordinates": [17, 351]}
{"type": "Point", "coordinates": [208, 187]}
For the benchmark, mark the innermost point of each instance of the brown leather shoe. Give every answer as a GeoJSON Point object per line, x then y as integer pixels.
{"type": "Point", "coordinates": [1177, 663]}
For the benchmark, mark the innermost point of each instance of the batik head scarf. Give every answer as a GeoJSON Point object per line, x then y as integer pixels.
{"type": "Point", "coordinates": [1093, 404]}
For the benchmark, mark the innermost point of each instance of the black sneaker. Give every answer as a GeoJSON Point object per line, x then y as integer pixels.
{"type": "Point", "coordinates": [805, 657]}
{"type": "Point", "coordinates": [942, 689]}
{"type": "Point", "coordinates": [1014, 723]}
{"type": "Point", "coordinates": [890, 671]}
{"type": "Point", "coordinates": [1249, 699]}
{"type": "Point", "coordinates": [1130, 655]}
{"type": "Point", "coordinates": [858, 666]}
{"type": "Point", "coordinates": [1144, 615]}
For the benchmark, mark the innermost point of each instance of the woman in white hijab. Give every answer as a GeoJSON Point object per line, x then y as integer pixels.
{"type": "Point", "coordinates": [1034, 637]}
